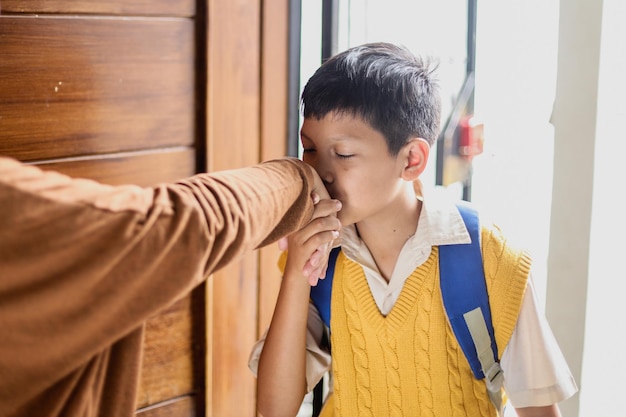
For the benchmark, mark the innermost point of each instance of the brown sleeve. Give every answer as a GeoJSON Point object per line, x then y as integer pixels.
{"type": "Point", "coordinates": [82, 264]}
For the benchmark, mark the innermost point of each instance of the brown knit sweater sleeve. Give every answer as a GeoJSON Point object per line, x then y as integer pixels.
{"type": "Point", "coordinates": [83, 264]}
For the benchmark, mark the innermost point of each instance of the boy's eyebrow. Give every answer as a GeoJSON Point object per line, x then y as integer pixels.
{"type": "Point", "coordinates": [305, 136]}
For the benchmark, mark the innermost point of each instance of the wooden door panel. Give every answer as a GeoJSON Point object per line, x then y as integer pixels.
{"type": "Point", "coordinates": [274, 111]}
{"type": "Point", "coordinates": [177, 407]}
{"type": "Point", "coordinates": [168, 359]}
{"type": "Point", "coordinates": [114, 7]}
{"type": "Point", "coordinates": [78, 86]}
{"type": "Point", "coordinates": [233, 114]}
{"type": "Point", "coordinates": [144, 169]}
{"type": "Point", "coordinates": [107, 90]}
{"type": "Point", "coordinates": [137, 91]}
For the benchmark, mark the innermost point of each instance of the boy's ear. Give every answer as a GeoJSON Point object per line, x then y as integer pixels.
{"type": "Point", "coordinates": [415, 154]}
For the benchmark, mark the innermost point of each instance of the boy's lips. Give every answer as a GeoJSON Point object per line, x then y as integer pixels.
{"type": "Point", "coordinates": [334, 195]}
{"type": "Point", "coordinates": [332, 192]}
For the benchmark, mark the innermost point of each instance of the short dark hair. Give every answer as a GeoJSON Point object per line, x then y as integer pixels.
{"type": "Point", "coordinates": [386, 85]}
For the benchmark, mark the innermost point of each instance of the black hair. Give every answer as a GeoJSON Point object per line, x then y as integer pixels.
{"type": "Point", "coordinates": [386, 85]}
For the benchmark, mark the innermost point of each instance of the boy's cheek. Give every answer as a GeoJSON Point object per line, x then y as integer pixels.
{"type": "Point", "coordinates": [308, 159]}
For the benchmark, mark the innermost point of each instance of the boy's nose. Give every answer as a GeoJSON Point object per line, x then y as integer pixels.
{"type": "Point", "coordinates": [324, 172]}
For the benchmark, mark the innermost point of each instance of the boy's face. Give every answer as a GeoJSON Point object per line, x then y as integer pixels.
{"type": "Point", "coordinates": [353, 160]}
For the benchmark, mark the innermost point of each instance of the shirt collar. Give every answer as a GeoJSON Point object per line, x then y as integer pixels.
{"type": "Point", "coordinates": [440, 223]}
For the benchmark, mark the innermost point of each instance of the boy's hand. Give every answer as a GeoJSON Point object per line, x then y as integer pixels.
{"type": "Point", "coordinates": [315, 267]}
{"type": "Point", "coordinates": [310, 247]}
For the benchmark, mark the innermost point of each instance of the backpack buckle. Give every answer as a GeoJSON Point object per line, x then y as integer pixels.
{"type": "Point", "coordinates": [494, 377]}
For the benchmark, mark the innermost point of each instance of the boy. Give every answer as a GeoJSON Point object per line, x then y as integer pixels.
{"type": "Point", "coordinates": [371, 115]}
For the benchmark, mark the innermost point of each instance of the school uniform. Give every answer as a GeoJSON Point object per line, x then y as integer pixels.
{"type": "Point", "coordinates": [536, 374]}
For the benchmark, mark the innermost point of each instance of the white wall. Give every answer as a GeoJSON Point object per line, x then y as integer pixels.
{"type": "Point", "coordinates": [575, 127]}
{"type": "Point", "coordinates": [603, 365]}
{"type": "Point", "coordinates": [571, 172]}
{"type": "Point", "coordinates": [515, 89]}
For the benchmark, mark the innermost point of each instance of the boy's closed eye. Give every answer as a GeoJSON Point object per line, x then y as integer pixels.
{"type": "Point", "coordinates": [337, 154]}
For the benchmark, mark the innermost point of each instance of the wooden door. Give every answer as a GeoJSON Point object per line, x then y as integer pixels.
{"type": "Point", "coordinates": [247, 123]}
{"type": "Point", "coordinates": [107, 90]}
{"type": "Point", "coordinates": [149, 91]}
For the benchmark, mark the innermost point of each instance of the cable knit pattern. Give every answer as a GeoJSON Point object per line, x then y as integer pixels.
{"type": "Point", "coordinates": [506, 273]}
{"type": "Point", "coordinates": [409, 363]}
{"type": "Point", "coordinates": [455, 356]}
{"type": "Point", "coordinates": [421, 334]}
{"type": "Point", "coordinates": [348, 294]}
{"type": "Point", "coordinates": [392, 365]}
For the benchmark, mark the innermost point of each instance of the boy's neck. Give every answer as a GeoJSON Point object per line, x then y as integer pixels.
{"type": "Point", "coordinates": [386, 235]}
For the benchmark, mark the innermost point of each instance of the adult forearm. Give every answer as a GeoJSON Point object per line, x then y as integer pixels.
{"type": "Point", "coordinates": [248, 208]}
{"type": "Point", "coordinates": [83, 264]}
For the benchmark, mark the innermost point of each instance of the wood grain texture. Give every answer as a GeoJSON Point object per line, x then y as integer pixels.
{"type": "Point", "coordinates": [233, 108]}
{"type": "Point", "coordinates": [233, 135]}
{"type": "Point", "coordinates": [144, 169]}
{"type": "Point", "coordinates": [167, 370]}
{"type": "Point", "coordinates": [110, 7]}
{"type": "Point", "coordinates": [274, 86]}
{"type": "Point", "coordinates": [78, 86]}
{"type": "Point", "coordinates": [177, 407]}
{"type": "Point", "coordinates": [109, 90]}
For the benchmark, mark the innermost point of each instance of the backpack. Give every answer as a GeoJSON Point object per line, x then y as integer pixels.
{"type": "Point", "coordinates": [465, 300]}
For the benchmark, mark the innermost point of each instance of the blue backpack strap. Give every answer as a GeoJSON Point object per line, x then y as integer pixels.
{"type": "Point", "coordinates": [464, 289]}
{"type": "Point", "coordinates": [321, 293]}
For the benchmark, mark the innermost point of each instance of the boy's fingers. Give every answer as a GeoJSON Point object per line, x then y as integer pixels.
{"type": "Point", "coordinates": [312, 265]}
{"type": "Point", "coordinates": [315, 267]}
{"type": "Point", "coordinates": [322, 273]}
{"type": "Point", "coordinates": [308, 270]}
{"type": "Point", "coordinates": [313, 279]}
{"type": "Point", "coordinates": [326, 207]}
{"type": "Point", "coordinates": [318, 255]}
{"type": "Point", "coordinates": [318, 230]}
{"type": "Point", "coordinates": [317, 274]}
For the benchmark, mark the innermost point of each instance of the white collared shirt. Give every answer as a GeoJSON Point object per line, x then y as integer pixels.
{"type": "Point", "coordinates": [536, 373]}
{"type": "Point", "coordinates": [439, 224]}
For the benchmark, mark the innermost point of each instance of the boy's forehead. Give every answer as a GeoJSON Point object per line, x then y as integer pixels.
{"type": "Point", "coordinates": [337, 125]}
{"type": "Point", "coordinates": [337, 129]}
{"type": "Point", "coordinates": [337, 120]}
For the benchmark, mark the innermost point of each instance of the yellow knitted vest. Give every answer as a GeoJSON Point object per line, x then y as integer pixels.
{"type": "Point", "coordinates": [409, 362]}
